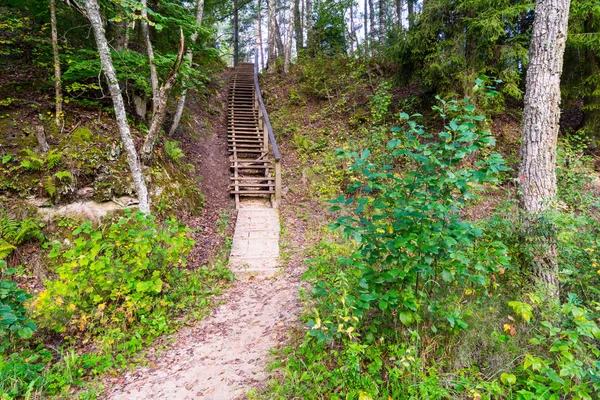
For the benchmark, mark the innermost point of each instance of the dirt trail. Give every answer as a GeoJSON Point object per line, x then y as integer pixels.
{"type": "Point", "coordinates": [226, 354]}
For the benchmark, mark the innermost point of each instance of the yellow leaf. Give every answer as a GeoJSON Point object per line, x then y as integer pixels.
{"type": "Point", "coordinates": [506, 327]}
{"type": "Point", "coordinates": [468, 292]}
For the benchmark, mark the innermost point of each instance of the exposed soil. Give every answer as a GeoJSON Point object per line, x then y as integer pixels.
{"type": "Point", "coordinates": [204, 142]}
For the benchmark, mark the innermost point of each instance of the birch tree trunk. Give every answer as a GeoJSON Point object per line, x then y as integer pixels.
{"type": "Point", "coordinates": [541, 117]}
{"type": "Point", "coordinates": [93, 13]}
{"type": "Point", "coordinates": [278, 41]}
{"type": "Point", "coordinates": [150, 50]}
{"type": "Point", "coordinates": [290, 38]}
{"type": "Point", "coordinates": [272, 52]}
{"type": "Point", "coordinates": [352, 27]}
{"type": "Point", "coordinates": [57, 76]}
{"type": "Point", "coordinates": [189, 58]}
{"type": "Point", "coordinates": [161, 104]}
{"type": "Point", "coordinates": [236, 33]}
{"type": "Point", "coordinates": [260, 36]}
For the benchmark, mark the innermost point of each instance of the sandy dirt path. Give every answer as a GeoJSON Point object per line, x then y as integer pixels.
{"type": "Point", "coordinates": [226, 354]}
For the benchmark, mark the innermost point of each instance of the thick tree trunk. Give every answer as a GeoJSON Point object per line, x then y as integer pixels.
{"type": "Point", "coordinates": [161, 110]}
{"type": "Point", "coordinates": [381, 22]}
{"type": "Point", "coordinates": [189, 58]}
{"type": "Point", "coordinates": [260, 36]}
{"type": "Point", "coordinates": [236, 33]}
{"type": "Point", "coordinates": [541, 117]}
{"type": "Point", "coordinates": [93, 13]}
{"type": "Point", "coordinates": [272, 51]}
{"type": "Point", "coordinates": [150, 50]}
{"type": "Point", "coordinates": [290, 38]}
{"type": "Point", "coordinates": [57, 76]}
{"type": "Point", "coordinates": [298, 26]}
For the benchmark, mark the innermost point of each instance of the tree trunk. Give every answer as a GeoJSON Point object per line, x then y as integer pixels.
{"type": "Point", "coordinates": [260, 36]}
{"type": "Point", "coordinates": [272, 52]}
{"type": "Point", "coordinates": [40, 134]}
{"type": "Point", "coordinates": [57, 78]}
{"type": "Point", "coordinates": [352, 27]}
{"type": "Point", "coordinates": [290, 38]}
{"type": "Point", "coordinates": [298, 27]}
{"type": "Point", "coordinates": [236, 33]}
{"type": "Point", "coordinates": [278, 41]}
{"type": "Point", "coordinates": [189, 58]}
{"type": "Point", "coordinates": [399, 6]}
{"type": "Point", "coordinates": [161, 109]}
{"type": "Point", "coordinates": [373, 30]}
{"type": "Point", "coordinates": [541, 117]}
{"type": "Point", "coordinates": [381, 22]}
{"type": "Point", "coordinates": [366, 22]}
{"type": "Point", "coordinates": [150, 50]}
{"type": "Point", "coordinates": [309, 21]}
{"type": "Point", "coordinates": [93, 13]}
{"type": "Point", "coordinates": [411, 12]}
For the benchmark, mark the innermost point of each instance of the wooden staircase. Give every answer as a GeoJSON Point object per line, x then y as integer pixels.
{"type": "Point", "coordinates": [250, 139]}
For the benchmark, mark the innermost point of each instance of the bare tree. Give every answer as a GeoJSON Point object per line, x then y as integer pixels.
{"type": "Point", "coordinates": [541, 117]}
{"type": "Point", "coordinates": [57, 75]}
{"type": "Point", "coordinates": [290, 34]}
{"type": "Point", "coordinates": [93, 13]}
{"type": "Point", "coordinates": [189, 57]}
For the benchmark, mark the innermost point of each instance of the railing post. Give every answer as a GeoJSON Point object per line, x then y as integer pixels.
{"type": "Point", "coordinates": [278, 182]}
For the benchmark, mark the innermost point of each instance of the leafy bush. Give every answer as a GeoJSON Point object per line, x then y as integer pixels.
{"type": "Point", "coordinates": [112, 277]}
{"type": "Point", "coordinates": [173, 151]}
{"type": "Point", "coordinates": [14, 318]}
{"type": "Point", "coordinates": [414, 246]}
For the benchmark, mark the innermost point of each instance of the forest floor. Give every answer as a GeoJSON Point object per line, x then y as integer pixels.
{"type": "Point", "coordinates": [226, 355]}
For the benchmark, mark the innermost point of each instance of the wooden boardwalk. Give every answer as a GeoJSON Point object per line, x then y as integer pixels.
{"type": "Point", "coordinates": [248, 138]}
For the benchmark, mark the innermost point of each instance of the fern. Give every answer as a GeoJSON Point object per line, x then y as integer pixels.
{"type": "Point", "coordinates": [14, 232]}
{"type": "Point", "coordinates": [5, 248]}
{"type": "Point", "coordinates": [61, 175]}
{"type": "Point", "coordinates": [50, 186]}
{"type": "Point", "coordinates": [53, 159]}
{"type": "Point", "coordinates": [173, 151]}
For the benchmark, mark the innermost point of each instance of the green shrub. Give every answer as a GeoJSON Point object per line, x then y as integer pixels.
{"type": "Point", "coordinates": [414, 247]}
{"type": "Point", "coordinates": [113, 277]}
{"type": "Point", "coordinates": [14, 318]}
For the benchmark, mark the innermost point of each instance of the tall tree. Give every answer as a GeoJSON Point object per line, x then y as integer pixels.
{"type": "Point", "coordinates": [189, 57]}
{"type": "Point", "coordinates": [411, 12]}
{"type": "Point", "coordinates": [309, 20]}
{"type": "Point", "coordinates": [289, 38]}
{"type": "Point", "coordinates": [57, 75]}
{"type": "Point", "coordinates": [93, 13]}
{"type": "Point", "coordinates": [399, 6]}
{"type": "Point", "coordinates": [236, 33]}
{"type": "Point", "coordinates": [298, 26]}
{"type": "Point", "coordinates": [381, 21]}
{"type": "Point", "coordinates": [352, 30]}
{"type": "Point", "coordinates": [541, 117]}
{"type": "Point", "coordinates": [366, 25]}
{"type": "Point", "coordinates": [150, 51]}
{"type": "Point", "coordinates": [260, 36]}
{"type": "Point", "coordinates": [272, 50]}
{"type": "Point", "coordinates": [372, 29]}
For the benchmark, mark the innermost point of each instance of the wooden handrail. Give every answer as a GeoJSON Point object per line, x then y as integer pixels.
{"type": "Point", "coordinates": [265, 124]}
